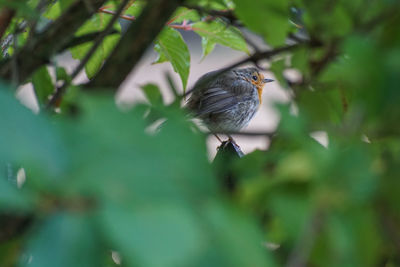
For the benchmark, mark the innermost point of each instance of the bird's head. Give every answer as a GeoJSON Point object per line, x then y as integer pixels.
{"type": "Point", "coordinates": [254, 76]}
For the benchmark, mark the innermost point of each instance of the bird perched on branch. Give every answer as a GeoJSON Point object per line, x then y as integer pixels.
{"type": "Point", "coordinates": [227, 102]}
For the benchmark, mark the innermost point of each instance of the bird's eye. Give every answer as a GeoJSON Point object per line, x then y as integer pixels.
{"type": "Point", "coordinates": [255, 77]}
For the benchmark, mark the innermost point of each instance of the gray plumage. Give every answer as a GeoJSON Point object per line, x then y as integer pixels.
{"type": "Point", "coordinates": [227, 102]}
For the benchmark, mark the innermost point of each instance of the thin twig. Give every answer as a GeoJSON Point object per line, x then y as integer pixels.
{"type": "Point", "coordinates": [184, 26]}
{"type": "Point", "coordinates": [226, 14]}
{"type": "Point", "coordinates": [110, 12]}
{"type": "Point", "coordinates": [86, 38]}
{"type": "Point", "coordinates": [264, 134]}
{"type": "Point", "coordinates": [96, 43]}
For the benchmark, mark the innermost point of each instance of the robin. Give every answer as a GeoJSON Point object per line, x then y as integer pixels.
{"type": "Point", "coordinates": [227, 102]}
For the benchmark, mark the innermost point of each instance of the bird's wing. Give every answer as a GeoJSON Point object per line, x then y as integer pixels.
{"type": "Point", "coordinates": [215, 100]}
{"type": "Point", "coordinates": [220, 96]}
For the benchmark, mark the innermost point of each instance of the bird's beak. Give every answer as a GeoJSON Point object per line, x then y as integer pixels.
{"type": "Point", "coordinates": [267, 80]}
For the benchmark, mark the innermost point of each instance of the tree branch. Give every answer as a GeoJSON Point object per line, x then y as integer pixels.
{"type": "Point", "coordinates": [266, 134]}
{"type": "Point", "coordinates": [85, 39]}
{"type": "Point", "coordinates": [12, 225]}
{"type": "Point", "coordinates": [6, 15]}
{"type": "Point", "coordinates": [96, 43]}
{"type": "Point", "coordinates": [133, 44]}
{"type": "Point", "coordinates": [44, 45]}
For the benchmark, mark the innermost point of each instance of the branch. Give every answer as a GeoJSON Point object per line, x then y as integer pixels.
{"type": "Point", "coordinates": [223, 14]}
{"type": "Point", "coordinates": [85, 39]}
{"type": "Point", "coordinates": [266, 134]}
{"type": "Point", "coordinates": [6, 15]}
{"type": "Point", "coordinates": [12, 225]}
{"type": "Point", "coordinates": [97, 42]}
{"type": "Point", "coordinates": [45, 44]}
{"type": "Point", "coordinates": [133, 44]}
{"type": "Point", "coordinates": [110, 12]}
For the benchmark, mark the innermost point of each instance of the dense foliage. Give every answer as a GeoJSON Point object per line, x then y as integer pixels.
{"type": "Point", "coordinates": [99, 179]}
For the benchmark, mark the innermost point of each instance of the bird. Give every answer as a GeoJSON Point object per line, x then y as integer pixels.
{"type": "Point", "coordinates": [226, 101]}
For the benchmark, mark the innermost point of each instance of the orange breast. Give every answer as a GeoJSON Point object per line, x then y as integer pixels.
{"type": "Point", "coordinates": [259, 91]}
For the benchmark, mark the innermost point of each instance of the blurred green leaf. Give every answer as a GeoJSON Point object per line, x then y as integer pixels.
{"type": "Point", "coordinates": [336, 22]}
{"type": "Point", "coordinates": [237, 240]}
{"type": "Point", "coordinates": [300, 59]}
{"type": "Point", "coordinates": [171, 47]}
{"type": "Point", "coordinates": [64, 4]}
{"type": "Point", "coordinates": [277, 67]}
{"type": "Point", "coordinates": [353, 239]}
{"type": "Point", "coordinates": [64, 240]}
{"type": "Point", "coordinates": [21, 7]}
{"type": "Point", "coordinates": [268, 17]}
{"type": "Point", "coordinates": [171, 232]}
{"type": "Point", "coordinates": [43, 85]}
{"type": "Point", "coordinates": [29, 139]}
{"type": "Point", "coordinates": [12, 199]}
{"type": "Point", "coordinates": [218, 32]}
{"type": "Point", "coordinates": [62, 75]}
{"type": "Point", "coordinates": [152, 93]}
{"type": "Point", "coordinates": [322, 107]}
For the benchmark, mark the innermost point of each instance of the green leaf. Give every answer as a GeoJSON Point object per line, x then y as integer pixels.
{"type": "Point", "coordinates": [43, 85]}
{"type": "Point", "coordinates": [64, 240]}
{"type": "Point", "coordinates": [277, 67]}
{"type": "Point", "coordinates": [183, 13]}
{"type": "Point", "coordinates": [28, 139]}
{"type": "Point", "coordinates": [62, 75]}
{"type": "Point", "coordinates": [236, 240]}
{"type": "Point", "coordinates": [135, 8]}
{"type": "Point", "coordinates": [218, 32]}
{"type": "Point", "coordinates": [56, 9]}
{"type": "Point", "coordinates": [171, 232]}
{"type": "Point", "coordinates": [12, 199]}
{"type": "Point", "coordinates": [171, 47]}
{"type": "Point", "coordinates": [208, 46]}
{"type": "Point", "coordinates": [299, 60]}
{"type": "Point", "coordinates": [119, 145]}
{"type": "Point", "coordinates": [322, 107]}
{"type": "Point", "coordinates": [53, 12]}
{"type": "Point", "coordinates": [338, 23]}
{"type": "Point", "coordinates": [269, 18]}
{"type": "Point", "coordinates": [152, 93]}
{"type": "Point", "coordinates": [64, 4]}
{"type": "Point", "coordinates": [94, 24]}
